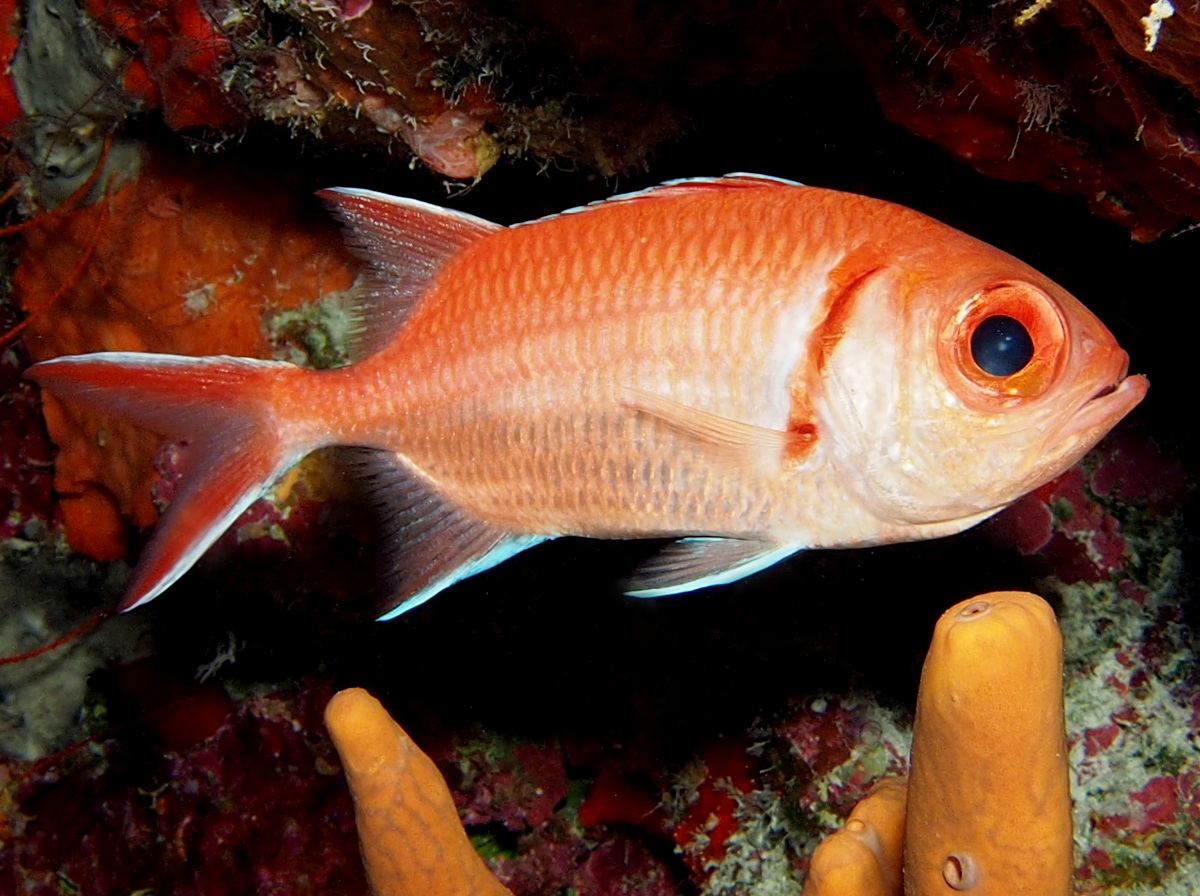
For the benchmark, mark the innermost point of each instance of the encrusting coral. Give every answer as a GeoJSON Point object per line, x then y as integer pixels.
{"type": "Point", "coordinates": [986, 807]}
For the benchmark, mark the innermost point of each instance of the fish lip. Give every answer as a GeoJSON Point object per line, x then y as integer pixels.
{"type": "Point", "coordinates": [1106, 406]}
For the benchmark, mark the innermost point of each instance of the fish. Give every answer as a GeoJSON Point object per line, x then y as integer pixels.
{"type": "Point", "coordinates": [743, 364]}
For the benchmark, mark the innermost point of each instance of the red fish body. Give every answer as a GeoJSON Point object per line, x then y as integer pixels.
{"type": "Point", "coordinates": [751, 364]}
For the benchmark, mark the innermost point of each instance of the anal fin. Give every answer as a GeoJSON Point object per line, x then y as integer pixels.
{"type": "Point", "coordinates": [703, 561]}
{"type": "Point", "coordinates": [429, 542]}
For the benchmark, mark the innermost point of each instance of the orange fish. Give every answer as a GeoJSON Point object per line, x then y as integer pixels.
{"type": "Point", "coordinates": [752, 364]}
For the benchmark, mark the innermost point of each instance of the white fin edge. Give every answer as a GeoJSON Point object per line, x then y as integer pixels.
{"type": "Point", "coordinates": [509, 547]}
{"type": "Point", "coordinates": [674, 187]}
{"type": "Point", "coordinates": [754, 563]}
{"type": "Point", "coordinates": [406, 202]}
{"type": "Point", "coordinates": [212, 534]}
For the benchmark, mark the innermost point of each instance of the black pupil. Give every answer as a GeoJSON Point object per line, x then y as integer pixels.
{"type": "Point", "coordinates": [1001, 345]}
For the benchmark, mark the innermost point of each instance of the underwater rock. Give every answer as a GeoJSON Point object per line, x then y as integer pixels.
{"type": "Point", "coordinates": [181, 51]}
{"type": "Point", "coordinates": [27, 505]}
{"type": "Point", "coordinates": [46, 597]}
{"type": "Point", "coordinates": [367, 72]}
{"type": "Point", "coordinates": [1090, 97]}
{"type": "Point", "coordinates": [1049, 92]}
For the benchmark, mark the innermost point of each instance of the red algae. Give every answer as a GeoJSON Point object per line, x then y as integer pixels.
{"type": "Point", "coordinates": [26, 456]}
{"type": "Point", "coordinates": [182, 53]}
{"type": "Point", "coordinates": [624, 867]}
{"type": "Point", "coordinates": [10, 106]}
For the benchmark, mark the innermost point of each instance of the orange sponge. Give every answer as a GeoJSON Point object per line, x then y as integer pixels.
{"type": "Point", "coordinates": [863, 858]}
{"type": "Point", "coordinates": [192, 257]}
{"type": "Point", "coordinates": [989, 805]}
{"type": "Point", "coordinates": [413, 843]}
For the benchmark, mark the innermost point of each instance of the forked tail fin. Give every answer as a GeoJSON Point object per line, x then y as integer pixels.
{"type": "Point", "coordinates": [220, 406]}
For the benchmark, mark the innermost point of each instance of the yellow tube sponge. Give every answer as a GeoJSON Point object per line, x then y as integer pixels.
{"type": "Point", "coordinates": [863, 857]}
{"type": "Point", "coordinates": [989, 806]}
{"type": "Point", "coordinates": [413, 843]}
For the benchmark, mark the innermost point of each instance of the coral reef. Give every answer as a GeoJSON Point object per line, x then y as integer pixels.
{"type": "Point", "coordinates": [1109, 547]}
{"type": "Point", "coordinates": [1013, 90]}
{"type": "Point", "coordinates": [123, 816]}
{"type": "Point", "coordinates": [987, 805]}
{"type": "Point", "coordinates": [181, 53]}
{"type": "Point", "coordinates": [368, 70]}
{"type": "Point", "coordinates": [243, 794]}
{"type": "Point", "coordinates": [196, 259]}
{"type": "Point", "coordinates": [10, 107]}
{"type": "Point", "coordinates": [741, 817]}
{"type": "Point", "coordinates": [1090, 97]}
{"type": "Point", "coordinates": [26, 455]}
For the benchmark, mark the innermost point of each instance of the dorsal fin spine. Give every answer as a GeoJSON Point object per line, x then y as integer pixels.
{"type": "Point", "coordinates": [404, 242]}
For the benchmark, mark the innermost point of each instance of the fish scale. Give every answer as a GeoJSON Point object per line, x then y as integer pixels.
{"type": "Point", "coordinates": [746, 364]}
{"type": "Point", "coordinates": [435, 445]}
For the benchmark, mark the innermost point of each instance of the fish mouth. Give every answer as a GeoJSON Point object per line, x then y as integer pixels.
{"type": "Point", "coordinates": [1105, 407]}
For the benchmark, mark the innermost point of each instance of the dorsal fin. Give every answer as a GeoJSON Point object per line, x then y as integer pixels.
{"type": "Point", "coordinates": [735, 180]}
{"type": "Point", "coordinates": [404, 242]}
{"type": "Point", "coordinates": [681, 187]}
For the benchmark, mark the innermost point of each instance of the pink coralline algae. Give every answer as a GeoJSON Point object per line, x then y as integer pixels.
{"type": "Point", "coordinates": [751, 810]}
{"type": "Point", "coordinates": [624, 867]}
{"type": "Point", "coordinates": [518, 784]}
{"type": "Point", "coordinates": [1075, 526]}
{"type": "Point", "coordinates": [520, 803]}
{"type": "Point", "coordinates": [843, 744]}
{"type": "Point", "coordinates": [256, 808]}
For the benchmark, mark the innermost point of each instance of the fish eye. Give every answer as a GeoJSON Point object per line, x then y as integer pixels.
{"type": "Point", "coordinates": [1006, 344]}
{"type": "Point", "coordinates": [1001, 345]}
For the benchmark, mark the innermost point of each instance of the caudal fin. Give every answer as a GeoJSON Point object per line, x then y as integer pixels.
{"type": "Point", "coordinates": [220, 407]}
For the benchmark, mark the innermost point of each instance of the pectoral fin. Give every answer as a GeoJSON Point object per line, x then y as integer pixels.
{"type": "Point", "coordinates": [702, 561]}
{"type": "Point", "coordinates": [724, 440]}
{"type": "Point", "coordinates": [704, 425]}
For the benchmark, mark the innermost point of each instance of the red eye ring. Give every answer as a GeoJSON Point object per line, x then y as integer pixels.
{"type": "Point", "coordinates": [1037, 313]}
